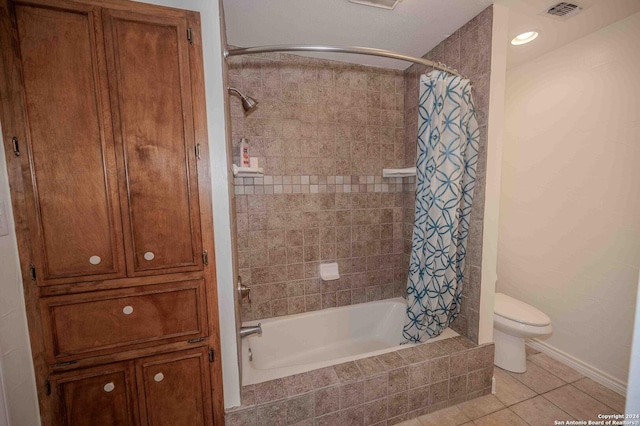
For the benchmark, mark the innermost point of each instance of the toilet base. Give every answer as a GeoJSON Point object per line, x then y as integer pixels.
{"type": "Point", "coordinates": [510, 352]}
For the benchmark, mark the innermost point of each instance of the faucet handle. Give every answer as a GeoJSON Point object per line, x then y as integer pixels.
{"type": "Point", "coordinates": [244, 291]}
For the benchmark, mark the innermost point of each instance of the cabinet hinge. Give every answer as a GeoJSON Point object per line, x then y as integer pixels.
{"type": "Point", "coordinates": [205, 257]}
{"type": "Point", "coordinates": [32, 271]}
{"type": "Point", "coordinates": [64, 364]}
{"type": "Point", "coordinates": [16, 147]}
{"type": "Point", "coordinates": [198, 156]}
{"type": "Point", "coordinates": [47, 387]}
{"type": "Point", "coordinates": [211, 355]}
{"type": "Point", "coordinates": [196, 340]}
{"type": "Point", "coordinates": [190, 35]}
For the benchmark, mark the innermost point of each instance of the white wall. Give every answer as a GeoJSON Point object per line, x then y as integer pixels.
{"type": "Point", "coordinates": [15, 351]}
{"type": "Point", "coordinates": [495, 139]}
{"type": "Point", "coordinates": [569, 230]}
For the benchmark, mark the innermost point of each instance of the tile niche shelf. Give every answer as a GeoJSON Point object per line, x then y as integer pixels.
{"type": "Point", "coordinates": [407, 172]}
{"type": "Point", "coordinates": [248, 172]}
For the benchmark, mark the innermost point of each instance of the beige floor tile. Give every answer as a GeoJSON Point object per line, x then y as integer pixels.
{"type": "Point", "coordinates": [577, 403]}
{"type": "Point", "coordinates": [451, 416]}
{"type": "Point", "coordinates": [601, 393]}
{"type": "Point", "coordinates": [510, 391]}
{"type": "Point", "coordinates": [411, 422]}
{"type": "Point", "coordinates": [482, 406]}
{"type": "Point", "coordinates": [584, 399]}
{"type": "Point", "coordinates": [555, 367]}
{"type": "Point", "coordinates": [540, 411]}
{"type": "Point", "coordinates": [504, 417]}
{"type": "Point", "coordinates": [537, 379]}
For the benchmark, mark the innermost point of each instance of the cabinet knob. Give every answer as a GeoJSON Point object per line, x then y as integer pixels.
{"type": "Point", "coordinates": [109, 387]}
{"type": "Point", "coordinates": [94, 260]}
{"type": "Point", "coordinates": [158, 377]}
{"type": "Point", "coordinates": [127, 310]}
{"type": "Point", "coordinates": [149, 255]}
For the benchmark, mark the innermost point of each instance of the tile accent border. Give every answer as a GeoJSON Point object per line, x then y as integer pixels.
{"type": "Point", "coordinates": [384, 389]}
{"type": "Point", "coordinates": [311, 184]}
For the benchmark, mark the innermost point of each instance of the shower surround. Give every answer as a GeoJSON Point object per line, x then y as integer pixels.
{"type": "Point", "coordinates": [323, 132]}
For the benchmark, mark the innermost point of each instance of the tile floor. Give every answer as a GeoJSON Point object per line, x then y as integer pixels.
{"type": "Point", "coordinates": [547, 391]}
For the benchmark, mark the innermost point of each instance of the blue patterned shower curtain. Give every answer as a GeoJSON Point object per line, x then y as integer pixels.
{"type": "Point", "coordinates": [448, 140]}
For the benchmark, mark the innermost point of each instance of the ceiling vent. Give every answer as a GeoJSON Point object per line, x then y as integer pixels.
{"type": "Point", "coordinates": [563, 10]}
{"type": "Point", "coordinates": [383, 4]}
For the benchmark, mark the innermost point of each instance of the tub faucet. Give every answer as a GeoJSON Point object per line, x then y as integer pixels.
{"type": "Point", "coordinates": [248, 331]}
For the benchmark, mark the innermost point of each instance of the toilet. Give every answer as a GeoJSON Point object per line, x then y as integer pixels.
{"type": "Point", "coordinates": [514, 321]}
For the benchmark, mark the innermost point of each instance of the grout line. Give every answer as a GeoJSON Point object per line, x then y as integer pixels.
{"type": "Point", "coordinates": [524, 400]}
{"type": "Point", "coordinates": [553, 374]}
{"type": "Point", "coordinates": [502, 409]}
{"type": "Point", "coordinates": [551, 402]}
{"type": "Point", "coordinates": [581, 367]}
{"type": "Point", "coordinates": [600, 401]}
{"type": "Point", "coordinates": [520, 417]}
{"type": "Point", "coordinates": [525, 385]}
{"type": "Point", "coordinates": [593, 396]}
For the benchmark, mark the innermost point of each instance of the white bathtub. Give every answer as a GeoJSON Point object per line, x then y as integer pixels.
{"type": "Point", "coordinates": [304, 342]}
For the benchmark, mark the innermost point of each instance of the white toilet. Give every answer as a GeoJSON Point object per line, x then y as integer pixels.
{"type": "Point", "coordinates": [514, 321]}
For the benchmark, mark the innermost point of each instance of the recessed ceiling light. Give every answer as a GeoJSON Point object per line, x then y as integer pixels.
{"type": "Point", "coordinates": [383, 4]}
{"type": "Point", "coordinates": [524, 38]}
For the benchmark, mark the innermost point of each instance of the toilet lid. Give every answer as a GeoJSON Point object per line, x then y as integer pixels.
{"type": "Point", "coordinates": [518, 311]}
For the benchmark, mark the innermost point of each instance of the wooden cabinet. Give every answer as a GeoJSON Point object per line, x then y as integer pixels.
{"type": "Point", "coordinates": [103, 84]}
{"type": "Point", "coordinates": [155, 136]}
{"type": "Point", "coordinates": [104, 118]}
{"type": "Point", "coordinates": [171, 389]}
{"type": "Point", "coordinates": [75, 223]}
{"type": "Point", "coordinates": [174, 390]}
{"type": "Point", "coordinates": [88, 324]}
{"type": "Point", "coordinates": [102, 396]}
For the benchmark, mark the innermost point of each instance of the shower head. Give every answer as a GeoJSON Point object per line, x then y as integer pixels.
{"type": "Point", "coordinates": [248, 103]}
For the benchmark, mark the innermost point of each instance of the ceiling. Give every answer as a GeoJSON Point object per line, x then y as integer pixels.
{"type": "Point", "coordinates": [524, 15]}
{"type": "Point", "coordinates": [414, 27]}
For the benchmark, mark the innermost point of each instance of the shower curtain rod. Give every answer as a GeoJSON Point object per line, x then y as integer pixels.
{"type": "Point", "coordinates": [338, 49]}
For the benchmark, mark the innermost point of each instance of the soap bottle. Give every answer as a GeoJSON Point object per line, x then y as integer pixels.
{"type": "Point", "coordinates": [244, 153]}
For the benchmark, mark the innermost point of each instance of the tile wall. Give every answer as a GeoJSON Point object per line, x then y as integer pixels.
{"type": "Point", "coordinates": [469, 51]}
{"type": "Point", "coordinates": [323, 132]}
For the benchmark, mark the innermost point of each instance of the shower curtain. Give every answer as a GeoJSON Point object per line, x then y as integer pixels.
{"type": "Point", "coordinates": [448, 140]}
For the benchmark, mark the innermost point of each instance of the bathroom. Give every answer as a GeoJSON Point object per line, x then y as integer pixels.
{"type": "Point", "coordinates": [324, 130]}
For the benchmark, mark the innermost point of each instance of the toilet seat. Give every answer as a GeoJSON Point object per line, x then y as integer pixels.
{"type": "Point", "coordinates": [515, 310]}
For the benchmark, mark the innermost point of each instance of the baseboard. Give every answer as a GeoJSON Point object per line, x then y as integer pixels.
{"type": "Point", "coordinates": [582, 367]}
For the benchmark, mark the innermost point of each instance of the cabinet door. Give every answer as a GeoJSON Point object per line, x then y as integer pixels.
{"type": "Point", "coordinates": [148, 63]}
{"type": "Point", "coordinates": [174, 389]}
{"type": "Point", "coordinates": [96, 397]}
{"type": "Point", "coordinates": [75, 220]}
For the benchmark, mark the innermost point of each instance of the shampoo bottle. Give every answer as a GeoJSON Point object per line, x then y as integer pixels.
{"type": "Point", "coordinates": [244, 153]}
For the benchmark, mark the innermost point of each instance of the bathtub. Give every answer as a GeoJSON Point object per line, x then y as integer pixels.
{"type": "Point", "coordinates": [304, 342]}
